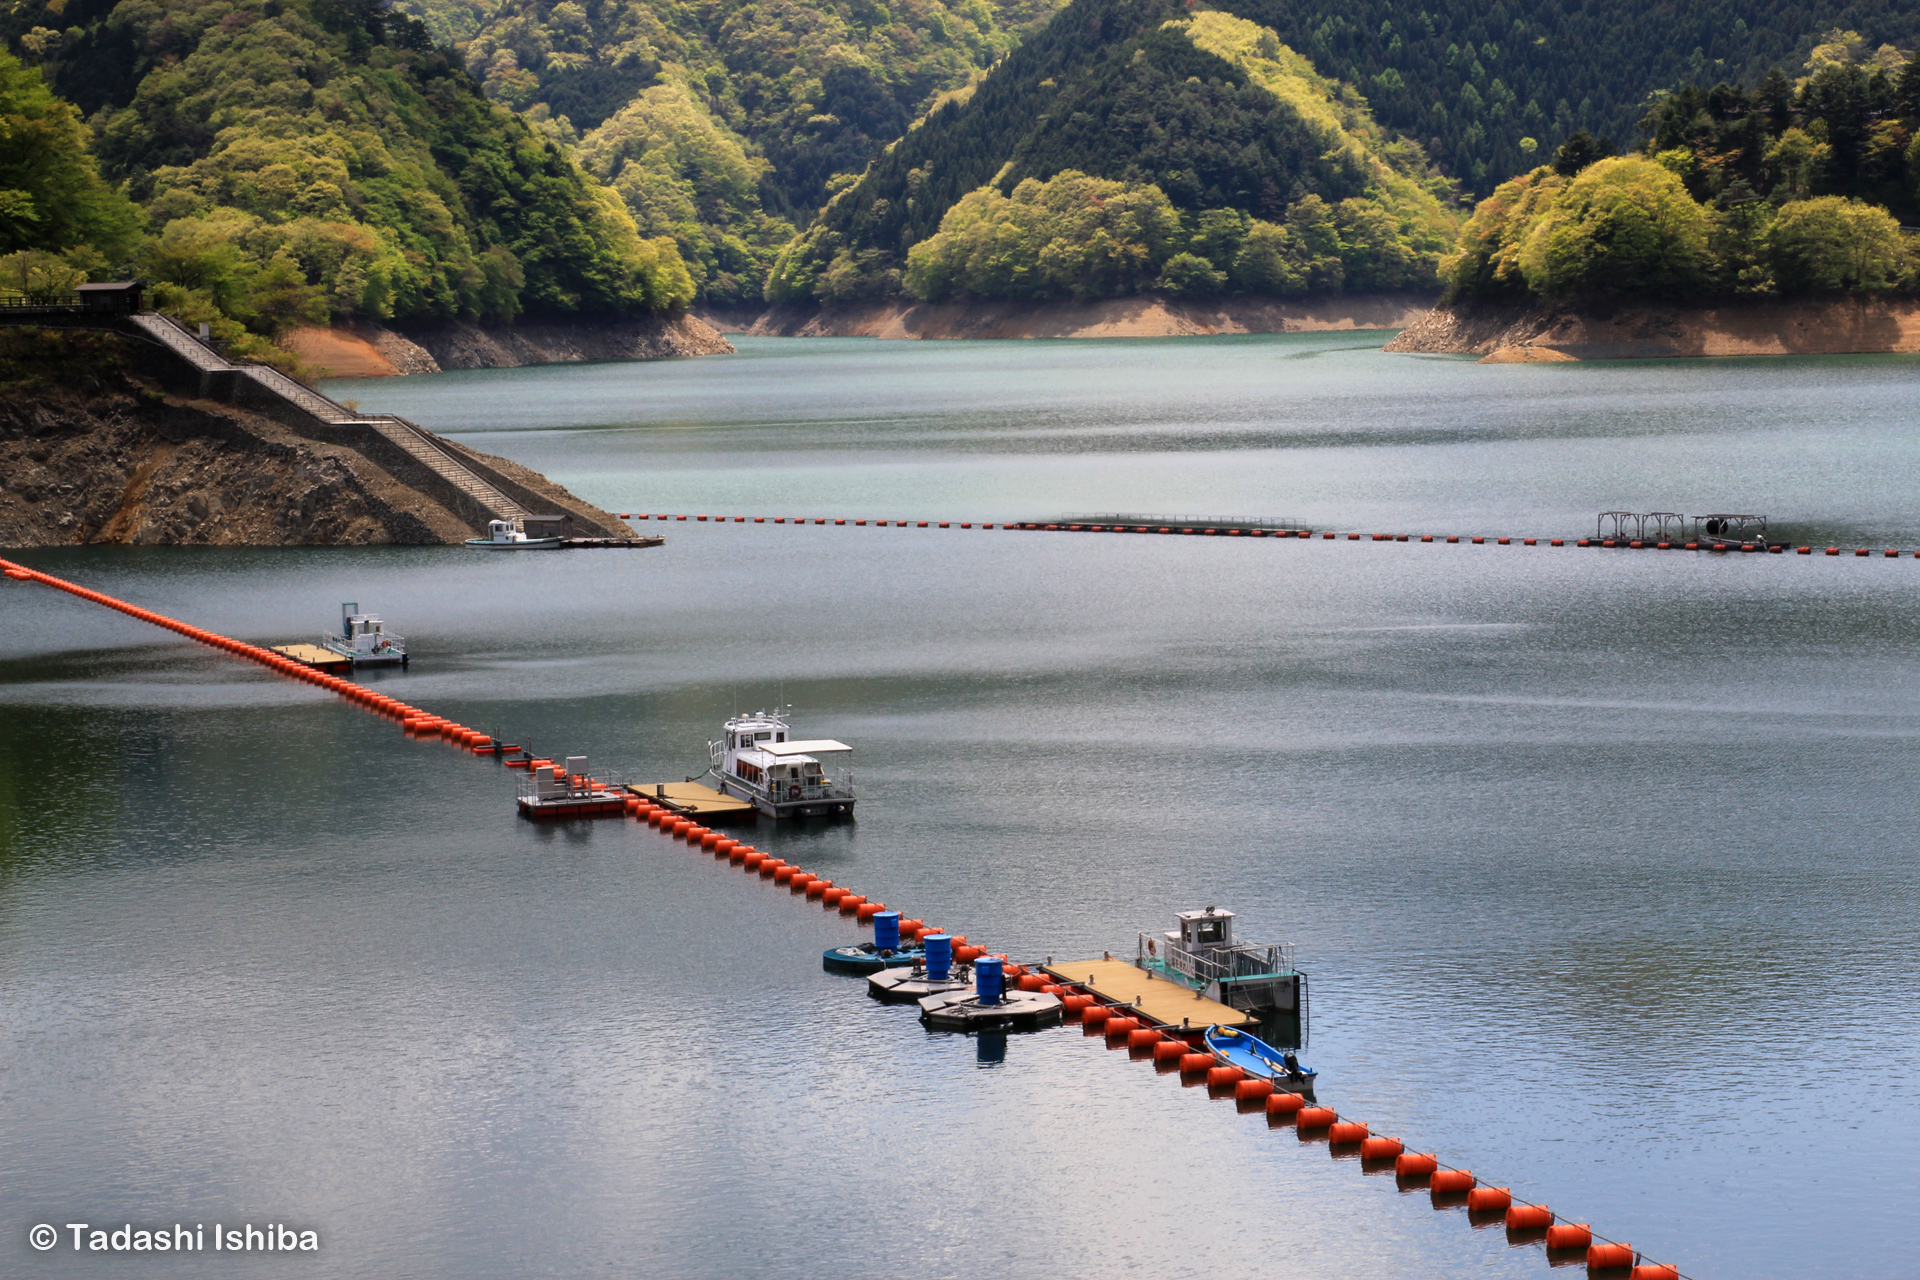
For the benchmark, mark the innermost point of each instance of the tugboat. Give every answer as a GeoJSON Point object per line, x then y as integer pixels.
{"type": "Point", "coordinates": [1201, 954]}
{"type": "Point", "coordinates": [757, 762]}
{"type": "Point", "coordinates": [511, 535]}
{"type": "Point", "coordinates": [364, 640]}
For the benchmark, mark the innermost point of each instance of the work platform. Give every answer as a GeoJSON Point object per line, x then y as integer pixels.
{"type": "Point", "coordinates": [314, 656]}
{"type": "Point", "coordinates": [1171, 1004]}
{"type": "Point", "coordinates": [694, 800]}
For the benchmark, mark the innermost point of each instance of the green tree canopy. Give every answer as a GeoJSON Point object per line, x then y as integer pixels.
{"type": "Point", "coordinates": [51, 194]}
{"type": "Point", "coordinates": [1625, 225]}
{"type": "Point", "coordinates": [1832, 243]}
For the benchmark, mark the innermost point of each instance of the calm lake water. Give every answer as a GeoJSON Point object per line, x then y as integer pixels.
{"type": "Point", "coordinates": [1601, 863]}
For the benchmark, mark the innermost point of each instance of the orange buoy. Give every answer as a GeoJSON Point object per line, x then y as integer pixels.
{"type": "Point", "coordinates": [1032, 982]}
{"type": "Point", "coordinates": [1252, 1091]}
{"type": "Point", "coordinates": [908, 926]}
{"type": "Point", "coordinates": [802, 880]}
{"type": "Point", "coordinates": [1602, 1256]}
{"type": "Point", "coordinates": [1380, 1148]}
{"type": "Point", "coordinates": [828, 894]}
{"type": "Point", "coordinates": [1221, 1077]}
{"type": "Point", "coordinates": [1075, 1005]}
{"type": "Point", "coordinates": [1347, 1132]}
{"type": "Point", "coordinates": [1169, 1050]}
{"type": "Point", "coordinates": [868, 910]}
{"type": "Point", "coordinates": [1451, 1181]}
{"type": "Point", "coordinates": [1529, 1217]}
{"type": "Point", "coordinates": [1655, 1271]}
{"type": "Point", "coordinates": [752, 861]}
{"type": "Point", "coordinates": [1487, 1199]}
{"type": "Point", "coordinates": [1193, 1064]}
{"type": "Point", "coordinates": [1095, 1018]}
{"type": "Point", "coordinates": [1285, 1105]}
{"type": "Point", "coordinates": [784, 874]}
{"type": "Point", "coordinates": [960, 940]}
{"type": "Point", "coordinates": [1569, 1235]}
{"type": "Point", "coordinates": [712, 840]}
{"type": "Point", "coordinates": [852, 903]}
{"type": "Point", "coordinates": [770, 867]}
{"type": "Point", "coordinates": [1317, 1117]}
{"type": "Point", "coordinates": [1143, 1038]}
{"type": "Point", "coordinates": [1118, 1029]}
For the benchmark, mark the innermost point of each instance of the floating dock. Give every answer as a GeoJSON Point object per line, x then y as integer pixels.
{"type": "Point", "coordinates": [1171, 1004]}
{"type": "Point", "coordinates": [695, 800]}
{"type": "Point", "coordinates": [312, 655]}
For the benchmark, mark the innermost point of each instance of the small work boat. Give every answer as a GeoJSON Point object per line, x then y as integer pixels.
{"type": "Point", "coordinates": [511, 535]}
{"type": "Point", "coordinates": [756, 761]}
{"type": "Point", "coordinates": [867, 957]}
{"type": "Point", "coordinates": [1236, 1048]}
{"type": "Point", "coordinates": [1256, 978]}
{"type": "Point", "coordinates": [364, 640]}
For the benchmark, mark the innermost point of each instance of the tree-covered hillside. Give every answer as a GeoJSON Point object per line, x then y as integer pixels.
{"type": "Point", "coordinates": [1781, 189]}
{"type": "Point", "coordinates": [1209, 110]}
{"type": "Point", "coordinates": [1470, 81]}
{"type": "Point", "coordinates": [300, 158]}
{"type": "Point", "coordinates": [723, 124]}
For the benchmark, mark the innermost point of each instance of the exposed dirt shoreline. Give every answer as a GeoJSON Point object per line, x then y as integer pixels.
{"type": "Point", "coordinates": [1148, 316]}
{"type": "Point", "coordinates": [1519, 334]}
{"type": "Point", "coordinates": [374, 351]}
{"type": "Point", "coordinates": [130, 465]}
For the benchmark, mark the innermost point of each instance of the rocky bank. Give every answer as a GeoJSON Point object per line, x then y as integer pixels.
{"type": "Point", "coordinates": [1523, 334]}
{"type": "Point", "coordinates": [132, 465]}
{"type": "Point", "coordinates": [1145, 316]}
{"type": "Point", "coordinates": [374, 351]}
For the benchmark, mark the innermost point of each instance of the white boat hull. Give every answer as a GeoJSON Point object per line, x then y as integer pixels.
{"type": "Point", "coordinates": [528, 544]}
{"type": "Point", "coordinates": [805, 807]}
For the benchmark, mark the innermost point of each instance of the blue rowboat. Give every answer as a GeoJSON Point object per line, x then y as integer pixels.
{"type": "Point", "coordinates": [1260, 1060]}
{"type": "Point", "coordinates": [864, 957]}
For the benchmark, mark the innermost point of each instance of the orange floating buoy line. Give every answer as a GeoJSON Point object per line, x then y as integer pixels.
{"type": "Point", "coordinates": [412, 719]}
{"type": "Point", "coordinates": [1225, 530]}
{"type": "Point", "coordinates": [1176, 1050]}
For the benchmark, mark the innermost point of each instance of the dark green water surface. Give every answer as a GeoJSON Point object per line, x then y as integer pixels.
{"type": "Point", "coordinates": [1601, 862]}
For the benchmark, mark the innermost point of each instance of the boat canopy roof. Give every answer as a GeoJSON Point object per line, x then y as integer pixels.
{"type": "Point", "coordinates": [815, 747]}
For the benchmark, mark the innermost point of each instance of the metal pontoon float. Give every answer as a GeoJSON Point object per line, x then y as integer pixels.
{"type": "Point", "coordinates": [552, 792]}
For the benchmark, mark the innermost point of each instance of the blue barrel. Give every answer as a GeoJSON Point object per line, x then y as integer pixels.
{"type": "Point", "coordinates": [939, 955]}
{"type": "Point", "coordinates": [989, 980]}
{"type": "Point", "coordinates": [886, 930]}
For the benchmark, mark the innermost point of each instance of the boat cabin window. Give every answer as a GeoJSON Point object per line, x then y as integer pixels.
{"type": "Point", "coordinates": [1206, 931]}
{"type": "Point", "coordinates": [761, 737]}
{"type": "Point", "coordinates": [779, 737]}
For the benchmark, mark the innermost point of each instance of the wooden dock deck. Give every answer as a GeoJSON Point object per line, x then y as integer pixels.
{"type": "Point", "coordinates": [1168, 1003]}
{"type": "Point", "coordinates": [695, 800]}
{"type": "Point", "coordinates": [314, 656]}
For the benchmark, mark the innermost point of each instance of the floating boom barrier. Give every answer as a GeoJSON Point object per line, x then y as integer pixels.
{"type": "Point", "coordinates": [1250, 529]}
{"type": "Point", "coordinates": [1173, 1049]}
{"type": "Point", "coordinates": [1168, 1048]}
{"type": "Point", "coordinates": [412, 719]}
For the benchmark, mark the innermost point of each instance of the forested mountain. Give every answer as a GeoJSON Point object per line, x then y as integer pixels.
{"type": "Point", "coordinates": [1208, 111]}
{"type": "Point", "coordinates": [300, 158]}
{"type": "Point", "coordinates": [1471, 81]}
{"type": "Point", "coordinates": [1785, 188]}
{"type": "Point", "coordinates": [723, 123]}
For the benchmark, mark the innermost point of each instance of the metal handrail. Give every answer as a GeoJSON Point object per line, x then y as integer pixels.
{"type": "Point", "coordinates": [44, 301]}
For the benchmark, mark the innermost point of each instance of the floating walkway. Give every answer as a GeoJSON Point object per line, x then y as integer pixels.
{"type": "Point", "coordinates": [695, 800]}
{"type": "Point", "coordinates": [1116, 1001]}
{"type": "Point", "coordinates": [1166, 1003]}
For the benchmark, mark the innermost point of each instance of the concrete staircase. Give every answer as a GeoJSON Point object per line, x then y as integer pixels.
{"type": "Point", "coordinates": [397, 430]}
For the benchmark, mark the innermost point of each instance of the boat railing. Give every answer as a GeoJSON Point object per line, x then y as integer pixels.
{"type": "Point", "coordinates": [570, 786]}
{"type": "Point", "coordinates": [1216, 964]}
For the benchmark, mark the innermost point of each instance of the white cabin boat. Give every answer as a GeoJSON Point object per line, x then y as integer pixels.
{"type": "Point", "coordinates": [364, 640]}
{"type": "Point", "coordinates": [758, 760]}
{"type": "Point", "coordinates": [511, 535]}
